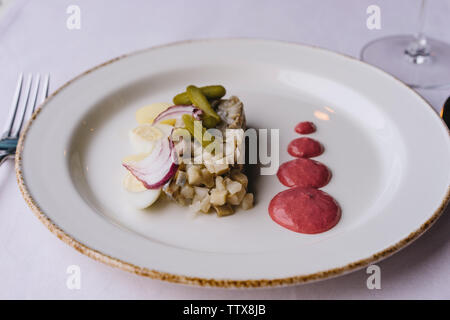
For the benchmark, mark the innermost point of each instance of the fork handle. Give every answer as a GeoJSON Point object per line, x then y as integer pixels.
{"type": "Point", "coordinates": [8, 144]}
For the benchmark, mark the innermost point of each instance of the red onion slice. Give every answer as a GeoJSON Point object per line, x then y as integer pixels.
{"type": "Point", "coordinates": [176, 112]}
{"type": "Point", "coordinates": [161, 164]}
{"type": "Point", "coordinates": [158, 167]}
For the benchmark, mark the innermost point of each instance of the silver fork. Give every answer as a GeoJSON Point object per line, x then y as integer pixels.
{"type": "Point", "coordinates": [16, 118]}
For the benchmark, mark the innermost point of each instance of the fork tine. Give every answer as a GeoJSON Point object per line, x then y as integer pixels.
{"type": "Point", "coordinates": [35, 96]}
{"type": "Point", "coordinates": [14, 106]}
{"type": "Point", "coordinates": [45, 88]}
{"type": "Point", "coordinates": [25, 106]}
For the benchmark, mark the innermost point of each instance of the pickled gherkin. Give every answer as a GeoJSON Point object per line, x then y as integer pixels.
{"type": "Point", "coordinates": [210, 117]}
{"type": "Point", "coordinates": [210, 92]}
{"type": "Point", "coordinates": [194, 127]}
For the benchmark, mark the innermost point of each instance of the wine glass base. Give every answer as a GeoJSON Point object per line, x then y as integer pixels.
{"type": "Point", "coordinates": [431, 72]}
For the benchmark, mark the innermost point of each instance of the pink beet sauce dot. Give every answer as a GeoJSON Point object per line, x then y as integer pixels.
{"type": "Point", "coordinates": [305, 127]}
{"type": "Point", "coordinates": [305, 148]}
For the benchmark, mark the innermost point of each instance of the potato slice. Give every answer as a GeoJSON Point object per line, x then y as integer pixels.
{"type": "Point", "coordinates": [195, 206]}
{"type": "Point", "coordinates": [236, 198]}
{"type": "Point", "coordinates": [200, 193]}
{"type": "Point", "coordinates": [194, 176]}
{"type": "Point", "coordinates": [221, 168]}
{"type": "Point", "coordinates": [233, 186]}
{"type": "Point", "coordinates": [238, 176]}
{"type": "Point", "coordinates": [187, 192]}
{"type": "Point", "coordinates": [219, 183]}
{"type": "Point", "coordinates": [218, 197]}
{"type": "Point", "coordinates": [205, 204]}
{"type": "Point", "coordinates": [247, 202]}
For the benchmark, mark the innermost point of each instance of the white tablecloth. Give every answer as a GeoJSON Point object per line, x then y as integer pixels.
{"type": "Point", "coordinates": [34, 38]}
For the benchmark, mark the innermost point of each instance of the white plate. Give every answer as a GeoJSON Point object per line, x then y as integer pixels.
{"type": "Point", "coordinates": [388, 150]}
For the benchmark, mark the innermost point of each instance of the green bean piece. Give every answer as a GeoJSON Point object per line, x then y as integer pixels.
{"type": "Point", "coordinates": [210, 118]}
{"type": "Point", "coordinates": [210, 92]}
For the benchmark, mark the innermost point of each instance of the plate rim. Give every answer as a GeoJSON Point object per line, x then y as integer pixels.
{"type": "Point", "coordinates": [211, 282]}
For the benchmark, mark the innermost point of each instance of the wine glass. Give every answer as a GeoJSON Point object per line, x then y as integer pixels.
{"type": "Point", "coordinates": [417, 60]}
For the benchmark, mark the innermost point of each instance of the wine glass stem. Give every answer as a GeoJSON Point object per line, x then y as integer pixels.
{"type": "Point", "coordinates": [419, 49]}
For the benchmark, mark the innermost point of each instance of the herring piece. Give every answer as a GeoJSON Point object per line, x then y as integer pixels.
{"type": "Point", "coordinates": [231, 111]}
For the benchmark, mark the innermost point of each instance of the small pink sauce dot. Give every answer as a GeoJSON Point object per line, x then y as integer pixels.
{"type": "Point", "coordinates": [305, 127]}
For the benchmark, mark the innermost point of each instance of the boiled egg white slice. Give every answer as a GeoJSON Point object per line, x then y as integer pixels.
{"type": "Point", "coordinates": [144, 136]}
{"type": "Point", "coordinates": [137, 194]}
